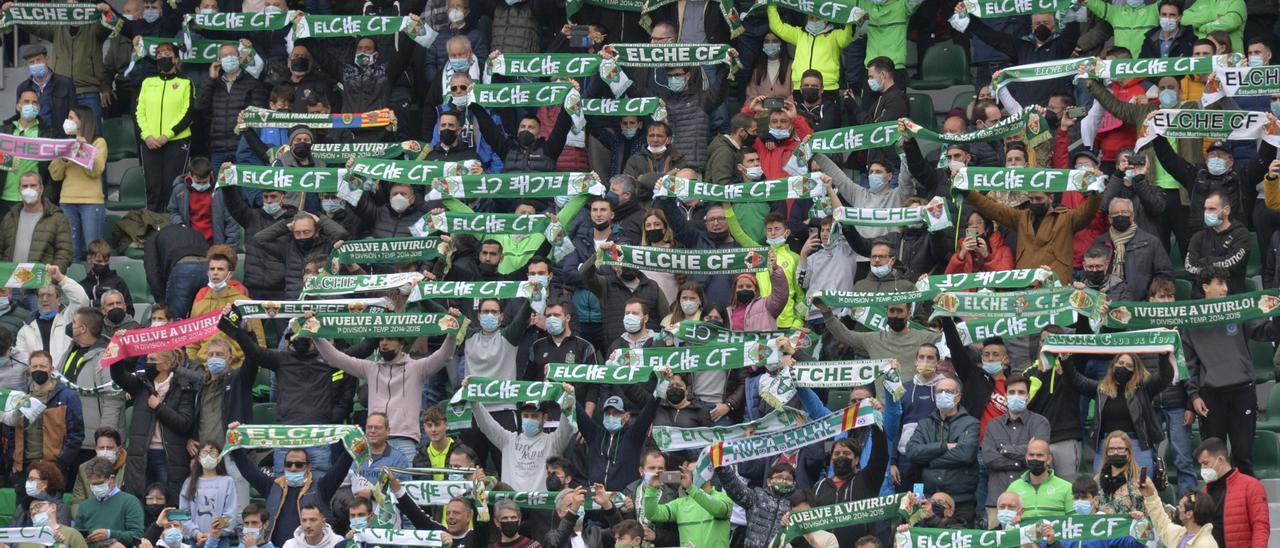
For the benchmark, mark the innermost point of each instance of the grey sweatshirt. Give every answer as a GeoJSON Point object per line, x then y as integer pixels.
{"type": "Point", "coordinates": [1218, 356]}
{"type": "Point", "coordinates": [395, 388]}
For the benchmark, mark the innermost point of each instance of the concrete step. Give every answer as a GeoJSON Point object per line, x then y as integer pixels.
{"type": "Point", "coordinates": [1273, 490]}
{"type": "Point", "coordinates": [1274, 510]}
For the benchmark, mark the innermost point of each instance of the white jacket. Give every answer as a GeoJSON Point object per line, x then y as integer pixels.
{"type": "Point", "coordinates": [330, 540]}
{"type": "Point", "coordinates": [28, 339]}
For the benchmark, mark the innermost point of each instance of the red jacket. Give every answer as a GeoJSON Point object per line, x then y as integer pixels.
{"type": "Point", "coordinates": [1085, 237]}
{"type": "Point", "coordinates": [999, 259]}
{"type": "Point", "coordinates": [1114, 134]}
{"type": "Point", "coordinates": [1246, 520]}
{"type": "Point", "coordinates": [773, 160]}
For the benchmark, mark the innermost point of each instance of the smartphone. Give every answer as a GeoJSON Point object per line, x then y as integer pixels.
{"type": "Point", "coordinates": [918, 489]}
{"type": "Point", "coordinates": [579, 36]}
{"type": "Point", "coordinates": [1076, 112]}
{"type": "Point", "coordinates": [1136, 159]}
{"type": "Point", "coordinates": [773, 103]}
{"type": "Point", "coordinates": [970, 232]}
{"type": "Point", "coordinates": [1142, 475]}
{"type": "Point", "coordinates": [179, 515]}
{"type": "Point", "coordinates": [670, 477]}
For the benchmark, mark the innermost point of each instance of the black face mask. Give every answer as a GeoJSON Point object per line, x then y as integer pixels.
{"type": "Point", "coordinates": [654, 235]}
{"type": "Point", "coordinates": [1117, 460]}
{"type": "Point", "coordinates": [165, 64]}
{"type": "Point", "coordinates": [301, 345]}
{"type": "Point", "coordinates": [1122, 223]}
{"type": "Point", "coordinates": [603, 226]}
{"type": "Point", "coordinates": [1095, 277]}
{"type": "Point", "coordinates": [843, 466]}
{"type": "Point", "coordinates": [674, 395]}
{"type": "Point", "coordinates": [810, 95]}
{"type": "Point", "coordinates": [897, 324]}
{"type": "Point", "coordinates": [745, 296]}
{"type": "Point", "coordinates": [153, 512]}
{"type": "Point", "coordinates": [305, 243]}
{"type": "Point", "coordinates": [554, 484]}
{"type": "Point", "coordinates": [488, 269]}
{"type": "Point", "coordinates": [1038, 209]}
{"type": "Point", "coordinates": [1037, 467]}
{"type": "Point", "coordinates": [509, 528]}
{"type": "Point", "coordinates": [388, 355]}
{"type": "Point", "coordinates": [116, 316]}
{"type": "Point", "coordinates": [526, 138]}
{"type": "Point", "coordinates": [1042, 33]}
{"type": "Point", "coordinates": [748, 140]}
{"type": "Point", "coordinates": [718, 237]}
{"type": "Point", "coordinates": [629, 274]}
{"type": "Point", "coordinates": [101, 270]}
{"type": "Point", "coordinates": [39, 377]}
{"type": "Point", "coordinates": [1121, 375]}
{"type": "Point", "coordinates": [300, 65]}
{"type": "Point", "coordinates": [301, 150]}
{"type": "Point", "coordinates": [448, 136]}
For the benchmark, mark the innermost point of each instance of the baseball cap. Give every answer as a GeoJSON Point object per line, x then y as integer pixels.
{"type": "Point", "coordinates": [615, 402]}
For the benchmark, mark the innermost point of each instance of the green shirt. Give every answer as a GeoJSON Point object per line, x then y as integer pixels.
{"type": "Point", "coordinates": [1224, 15]}
{"type": "Point", "coordinates": [516, 251]}
{"type": "Point", "coordinates": [1050, 498]}
{"type": "Point", "coordinates": [70, 539]}
{"type": "Point", "coordinates": [121, 513]}
{"type": "Point", "coordinates": [1130, 25]}
{"type": "Point", "coordinates": [12, 193]}
{"type": "Point", "coordinates": [702, 518]}
{"type": "Point", "coordinates": [887, 29]}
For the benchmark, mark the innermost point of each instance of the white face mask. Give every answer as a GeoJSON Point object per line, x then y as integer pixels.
{"type": "Point", "coordinates": [658, 149]}
{"type": "Point", "coordinates": [30, 196]}
{"type": "Point", "coordinates": [399, 203]}
{"type": "Point", "coordinates": [456, 16]}
{"type": "Point", "coordinates": [70, 127]}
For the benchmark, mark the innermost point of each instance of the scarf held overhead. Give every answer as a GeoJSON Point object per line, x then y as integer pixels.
{"type": "Point", "coordinates": [139, 342]}
{"type": "Point", "coordinates": [1195, 313]}
{"type": "Point", "coordinates": [687, 261]}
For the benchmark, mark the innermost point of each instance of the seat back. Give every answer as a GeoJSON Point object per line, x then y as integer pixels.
{"type": "Point", "coordinates": [921, 109]}
{"type": "Point", "coordinates": [121, 135]}
{"type": "Point", "coordinates": [134, 274]}
{"type": "Point", "coordinates": [133, 191]}
{"type": "Point", "coordinates": [946, 61]}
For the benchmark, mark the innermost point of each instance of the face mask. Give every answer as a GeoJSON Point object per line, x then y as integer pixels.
{"type": "Point", "coordinates": [271, 208]}
{"type": "Point", "coordinates": [631, 322]}
{"type": "Point", "coordinates": [654, 235]}
{"type": "Point", "coordinates": [582, 514]}
{"type": "Point", "coordinates": [299, 65]}
{"type": "Point", "coordinates": [456, 16]}
{"type": "Point", "coordinates": [509, 528]}
{"type": "Point", "coordinates": [676, 395]}
{"type": "Point", "coordinates": [230, 63]}
{"type": "Point", "coordinates": [100, 490]}
{"type": "Point", "coordinates": [1121, 375]}
{"type": "Point", "coordinates": [779, 134]}
{"type": "Point", "coordinates": [881, 271]}
{"type": "Point", "coordinates": [1168, 97]}
{"type": "Point", "coordinates": [992, 368]}
{"type": "Point", "coordinates": [150, 16]}
{"type": "Point", "coordinates": [629, 132]}
{"type": "Point", "coordinates": [165, 64]}
{"type": "Point", "coordinates": [688, 306]}
{"type": "Point", "coordinates": [109, 454]}
{"type": "Point", "coordinates": [40, 520]}
{"type": "Point", "coordinates": [842, 466]}
{"type": "Point", "coordinates": [1039, 210]}
{"type": "Point", "coordinates": [782, 488]}
{"type": "Point", "coordinates": [218, 286]}
{"type": "Point", "coordinates": [1209, 475]}
{"type": "Point", "coordinates": [945, 401]}
{"type": "Point", "coordinates": [273, 9]}
{"type": "Point", "coordinates": [1255, 61]}
{"type": "Point", "coordinates": [555, 326]}
{"type": "Point", "coordinates": [33, 488]}
{"type": "Point", "coordinates": [896, 324]}
{"type": "Point", "coordinates": [330, 205]}
{"type": "Point", "coordinates": [294, 479]}
{"type": "Point", "coordinates": [116, 316]}
{"type": "Point", "coordinates": [359, 523]}
{"type": "Point", "coordinates": [1037, 467]}
{"type": "Point", "coordinates": [1082, 507]}
{"type": "Point", "coordinates": [657, 149]}
{"type": "Point", "coordinates": [399, 203]}
{"type": "Point", "coordinates": [173, 537]}
{"type": "Point", "coordinates": [489, 322]}
{"type": "Point", "coordinates": [388, 355]}
{"type": "Point", "coordinates": [1005, 517]}
{"type": "Point", "coordinates": [1275, 108]}
{"type": "Point", "coordinates": [530, 427]}
{"type": "Point", "coordinates": [1122, 223]}
{"type": "Point", "coordinates": [459, 65]}
{"type": "Point", "coordinates": [460, 101]}
{"type": "Point", "coordinates": [49, 315]}
{"type": "Point", "coordinates": [875, 182]}
{"type": "Point", "coordinates": [1129, 173]}
{"type": "Point", "coordinates": [676, 83]}
{"type": "Point", "coordinates": [208, 462]}
{"type": "Point", "coordinates": [755, 173]}
{"type": "Point", "coordinates": [30, 196]}
{"type": "Point", "coordinates": [1134, 3]}
{"type": "Point", "coordinates": [748, 141]}
{"type": "Point", "coordinates": [810, 95]}
{"type": "Point", "coordinates": [216, 365]}
{"type": "Point", "coordinates": [612, 423]}
{"type": "Point", "coordinates": [4, 303]}
{"type": "Point", "coordinates": [1212, 219]}
{"type": "Point", "coordinates": [201, 187]}
{"type": "Point", "coordinates": [776, 241]}
{"type": "Point", "coordinates": [1167, 24]}
{"type": "Point", "coordinates": [29, 112]}
{"type": "Point", "coordinates": [874, 85]}
{"type": "Point", "coordinates": [746, 296]}
{"type": "Point", "coordinates": [772, 49]}
{"type": "Point", "coordinates": [526, 138]}
{"type": "Point", "coordinates": [448, 136]}
{"type": "Point", "coordinates": [1042, 33]}
{"type": "Point", "coordinates": [39, 70]}
{"type": "Point", "coordinates": [925, 370]}
{"type": "Point", "coordinates": [1017, 404]}
{"type": "Point", "coordinates": [39, 377]}
{"type": "Point", "coordinates": [70, 127]}
{"type": "Point", "coordinates": [1217, 166]}
{"type": "Point", "coordinates": [1117, 461]}
{"type": "Point", "coordinates": [364, 59]}
{"type": "Point", "coordinates": [815, 27]}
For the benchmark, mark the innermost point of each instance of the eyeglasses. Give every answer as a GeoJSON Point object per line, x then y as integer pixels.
{"type": "Point", "coordinates": [457, 88]}
{"type": "Point", "coordinates": [295, 464]}
{"type": "Point", "coordinates": [715, 219]}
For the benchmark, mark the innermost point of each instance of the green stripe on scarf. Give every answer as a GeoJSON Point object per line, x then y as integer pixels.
{"type": "Point", "coordinates": [975, 330]}
{"type": "Point", "coordinates": [639, 106]}
{"type": "Point", "coordinates": [1147, 341]}
{"type": "Point", "coordinates": [404, 172]}
{"type": "Point", "coordinates": [670, 438]}
{"type": "Point", "coordinates": [1027, 179]}
{"type": "Point", "coordinates": [40, 14]}
{"type": "Point", "coordinates": [596, 373]}
{"type": "Point", "coordinates": [843, 514]}
{"type": "Point", "coordinates": [1069, 529]}
{"type": "Point", "coordinates": [996, 279]}
{"type": "Point", "coordinates": [341, 152]}
{"type": "Point", "coordinates": [284, 179]}
{"type": "Point", "coordinates": [1195, 313]}
{"type": "Point", "coordinates": [669, 55]}
{"type": "Point", "coordinates": [1208, 124]}
{"type": "Point", "coordinates": [456, 222]}
{"type": "Point", "coordinates": [520, 185]}
{"type": "Point", "coordinates": [848, 139]}
{"type": "Point", "coordinates": [329, 285]}
{"type": "Point", "coordinates": [934, 216]}
{"type": "Point", "coordinates": [399, 537]}
{"type": "Point", "coordinates": [247, 309]}
{"type": "Point", "coordinates": [388, 251]}
{"type": "Point", "coordinates": [1005, 8]}
{"type": "Point", "coordinates": [693, 331]}
{"type": "Point", "coordinates": [999, 305]}
{"type": "Point", "coordinates": [544, 65]}
{"type": "Point", "coordinates": [359, 326]}
{"type": "Point", "coordinates": [687, 261]}
{"type": "Point", "coordinates": [772, 190]}
{"type": "Point", "coordinates": [430, 289]}
{"type": "Point", "coordinates": [835, 11]}
{"type": "Point", "coordinates": [255, 117]}
{"type": "Point", "coordinates": [690, 359]}
{"type": "Point", "coordinates": [202, 52]}
{"type": "Point", "coordinates": [277, 436]}
{"type": "Point", "coordinates": [240, 22]}
{"type": "Point", "coordinates": [23, 275]}
{"type": "Point", "coordinates": [1028, 121]}
{"type": "Point", "coordinates": [838, 374]}
{"type": "Point", "coordinates": [535, 94]}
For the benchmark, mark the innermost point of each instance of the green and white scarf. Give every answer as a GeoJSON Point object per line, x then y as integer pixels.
{"type": "Point", "coordinates": [388, 251]}
{"type": "Point", "coordinates": [638, 106]}
{"type": "Point", "coordinates": [360, 326]}
{"type": "Point", "coordinates": [692, 331]}
{"type": "Point", "coordinates": [1027, 179]}
{"type": "Point", "coordinates": [253, 310]}
{"type": "Point", "coordinates": [14, 400]}
{"type": "Point", "coordinates": [292, 179]}
{"type": "Point", "coordinates": [1004, 8]}
{"type": "Point", "coordinates": [1028, 121]}
{"type": "Point", "coordinates": [1146, 341]}
{"type": "Point", "coordinates": [1208, 124]}
{"type": "Point", "coordinates": [670, 55]}
{"type": "Point", "coordinates": [546, 500]}
{"type": "Point", "coordinates": [404, 172]}
{"type": "Point", "coordinates": [520, 94]}
{"type": "Point", "coordinates": [933, 215]}
{"type": "Point", "coordinates": [459, 222]}
{"type": "Point", "coordinates": [330, 285]}
{"type": "Point", "coordinates": [1067, 529]}
{"type": "Point", "coordinates": [670, 438]}
{"type": "Point", "coordinates": [842, 514]}
{"type": "Point", "coordinates": [346, 26]}
{"type": "Point", "coordinates": [240, 22]}
{"type": "Point", "coordinates": [1123, 69]}
{"type": "Point", "coordinates": [255, 117]}
{"type": "Point", "coordinates": [1017, 303]}
{"type": "Point", "coordinates": [1197, 313]}
{"type": "Point", "coordinates": [856, 299]}
{"type": "Point", "coordinates": [1242, 82]}
{"type": "Point", "coordinates": [399, 537]}
{"type": "Point", "coordinates": [544, 65]}
{"type": "Point", "coordinates": [279, 436]}
{"type": "Point", "coordinates": [341, 152]}
{"type": "Point", "coordinates": [596, 373]}
{"type": "Point", "coordinates": [687, 261]}
{"type": "Point", "coordinates": [694, 359]}
{"type": "Point", "coordinates": [23, 275]}
{"type": "Point", "coordinates": [727, 10]}
{"type": "Point", "coordinates": [976, 330]}
{"type": "Point", "coordinates": [40, 14]}
{"type": "Point", "coordinates": [430, 290]}
{"type": "Point", "coordinates": [518, 185]}
{"type": "Point", "coordinates": [200, 52]}
{"type": "Point", "coordinates": [835, 11]}
{"type": "Point", "coordinates": [1044, 70]}
{"type": "Point", "coordinates": [487, 390]}
{"type": "Point", "coordinates": [848, 139]}
{"type": "Point", "coordinates": [996, 279]}
{"type": "Point", "coordinates": [772, 190]}
{"type": "Point", "coordinates": [838, 374]}
{"type": "Point", "coordinates": [13, 536]}
{"type": "Point", "coordinates": [573, 6]}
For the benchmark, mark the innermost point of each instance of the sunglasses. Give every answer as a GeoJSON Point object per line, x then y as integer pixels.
{"type": "Point", "coordinates": [295, 464]}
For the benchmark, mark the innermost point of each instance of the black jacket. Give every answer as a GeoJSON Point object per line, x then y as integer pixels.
{"type": "Point", "coordinates": [177, 418]}
{"type": "Point", "coordinates": [163, 250]}
{"type": "Point", "coordinates": [1228, 249]}
{"type": "Point", "coordinates": [1181, 43]}
{"type": "Point", "coordinates": [383, 222]}
{"type": "Point", "coordinates": [292, 253]}
{"type": "Point", "coordinates": [95, 285]}
{"type": "Point", "coordinates": [263, 276]}
{"type": "Point", "coordinates": [1141, 410]}
{"type": "Point", "coordinates": [305, 385]}
{"type": "Point", "coordinates": [1025, 51]}
{"type": "Point", "coordinates": [614, 458]}
{"type": "Point", "coordinates": [1144, 259]}
{"type": "Point", "coordinates": [1237, 183]}
{"type": "Point", "coordinates": [221, 106]}
{"type": "Point", "coordinates": [979, 387]}
{"type": "Point", "coordinates": [864, 484]}
{"type": "Point", "coordinates": [954, 470]}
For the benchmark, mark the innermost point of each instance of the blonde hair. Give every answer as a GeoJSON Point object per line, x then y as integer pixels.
{"type": "Point", "coordinates": [1131, 468]}
{"type": "Point", "coordinates": [1108, 387]}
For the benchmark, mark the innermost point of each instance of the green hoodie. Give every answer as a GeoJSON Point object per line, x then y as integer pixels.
{"type": "Point", "coordinates": [697, 526]}
{"type": "Point", "coordinates": [1130, 25]}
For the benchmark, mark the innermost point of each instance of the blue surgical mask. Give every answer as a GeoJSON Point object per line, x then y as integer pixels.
{"type": "Point", "coordinates": [150, 16]}
{"type": "Point", "coordinates": [1255, 61]}
{"type": "Point", "coordinates": [676, 83]}
{"type": "Point", "coordinates": [1212, 219]}
{"type": "Point", "coordinates": [4, 303]}
{"type": "Point", "coordinates": [330, 205]}
{"type": "Point", "coordinates": [772, 49]}
{"type": "Point", "coordinates": [1168, 24]}
{"type": "Point", "coordinates": [880, 271]}
{"type": "Point", "coordinates": [294, 479]}
{"type": "Point", "coordinates": [816, 27]}
{"type": "Point", "coordinates": [39, 70]}
{"type": "Point", "coordinates": [755, 173]}
{"type": "Point", "coordinates": [612, 423]}
{"type": "Point", "coordinates": [1217, 166]}
{"type": "Point", "coordinates": [1168, 97]}
{"type": "Point", "coordinates": [779, 133]}
{"type": "Point", "coordinates": [1275, 108]}
{"type": "Point", "coordinates": [992, 368]}
{"type": "Point", "coordinates": [1017, 404]}
{"type": "Point", "coordinates": [49, 315]}
{"type": "Point", "coordinates": [875, 181]}
{"type": "Point", "coordinates": [29, 112]}
{"type": "Point", "coordinates": [629, 132]}
{"type": "Point", "coordinates": [555, 326]}
{"type": "Point", "coordinates": [359, 523]}
{"type": "Point", "coordinates": [1082, 507]}
{"type": "Point", "coordinates": [271, 208]}
{"type": "Point", "coordinates": [459, 65]}
{"type": "Point", "coordinates": [1134, 3]}
{"type": "Point", "coordinates": [251, 532]}
{"type": "Point", "coordinates": [200, 187]}
{"type": "Point", "coordinates": [173, 537]}
{"type": "Point", "coordinates": [631, 323]}
{"type": "Point", "coordinates": [489, 322]}
{"type": "Point", "coordinates": [217, 365]}
{"type": "Point", "coordinates": [272, 9]}
{"type": "Point", "coordinates": [40, 520]}
{"type": "Point", "coordinates": [1005, 517]}
{"type": "Point", "coordinates": [530, 427]}
{"type": "Point", "coordinates": [874, 85]}
{"type": "Point", "coordinates": [582, 513]}
{"type": "Point", "coordinates": [776, 241]}
{"type": "Point", "coordinates": [230, 63]}
{"type": "Point", "coordinates": [946, 401]}
{"type": "Point", "coordinates": [217, 286]}
{"type": "Point", "coordinates": [1129, 173]}
{"type": "Point", "coordinates": [456, 477]}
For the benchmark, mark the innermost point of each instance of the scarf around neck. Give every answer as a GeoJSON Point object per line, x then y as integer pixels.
{"type": "Point", "coordinates": [1120, 241]}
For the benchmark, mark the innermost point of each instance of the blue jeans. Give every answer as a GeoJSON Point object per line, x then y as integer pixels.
{"type": "Point", "coordinates": [86, 221]}
{"type": "Point", "coordinates": [724, 421]}
{"type": "Point", "coordinates": [217, 157]}
{"type": "Point", "coordinates": [157, 467]}
{"type": "Point", "coordinates": [320, 457]}
{"type": "Point", "coordinates": [185, 280]}
{"type": "Point", "coordinates": [1141, 452]}
{"type": "Point", "coordinates": [93, 100]}
{"type": "Point", "coordinates": [1179, 436]}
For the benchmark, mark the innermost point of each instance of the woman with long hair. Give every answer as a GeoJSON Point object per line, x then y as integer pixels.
{"type": "Point", "coordinates": [82, 197]}
{"type": "Point", "coordinates": [1118, 487]}
{"type": "Point", "coordinates": [721, 392]}
{"type": "Point", "coordinates": [1194, 528]}
{"type": "Point", "coordinates": [658, 233]}
{"type": "Point", "coordinates": [1124, 403]}
{"type": "Point", "coordinates": [982, 249]}
{"type": "Point", "coordinates": [210, 495]}
{"type": "Point", "coordinates": [689, 306]}
{"type": "Point", "coordinates": [771, 76]}
{"type": "Point", "coordinates": [748, 310]}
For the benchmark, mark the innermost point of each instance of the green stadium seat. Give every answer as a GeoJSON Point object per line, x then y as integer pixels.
{"type": "Point", "coordinates": [1272, 422]}
{"type": "Point", "coordinates": [1182, 289]}
{"type": "Point", "coordinates": [943, 66]}
{"type": "Point", "coordinates": [1255, 258]}
{"type": "Point", "coordinates": [76, 271]}
{"type": "Point", "coordinates": [264, 413]}
{"type": "Point", "coordinates": [962, 101]}
{"type": "Point", "coordinates": [239, 274]}
{"type": "Point", "coordinates": [1266, 454]}
{"type": "Point", "coordinates": [121, 135]}
{"type": "Point", "coordinates": [8, 504]}
{"type": "Point", "coordinates": [133, 191]}
{"type": "Point", "coordinates": [1263, 367]}
{"type": "Point", "coordinates": [262, 384]}
{"type": "Point", "coordinates": [921, 110]}
{"type": "Point", "coordinates": [135, 276]}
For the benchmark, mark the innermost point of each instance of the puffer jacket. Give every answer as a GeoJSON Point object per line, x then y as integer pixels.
{"type": "Point", "coordinates": [1000, 258]}
{"type": "Point", "coordinates": [263, 275]}
{"type": "Point", "coordinates": [648, 167]}
{"type": "Point", "coordinates": [225, 229]}
{"type": "Point", "coordinates": [1144, 258]}
{"type": "Point", "coordinates": [821, 52]}
{"type": "Point", "coordinates": [762, 312]}
{"type": "Point", "coordinates": [176, 417]}
{"type": "Point", "coordinates": [954, 471]}
{"type": "Point", "coordinates": [50, 240]}
{"type": "Point", "coordinates": [1052, 244]}
{"type": "Point", "coordinates": [519, 27]}
{"type": "Point", "coordinates": [305, 380]}
{"type": "Point", "coordinates": [62, 430]}
{"type": "Point", "coordinates": [864, 484]}
{"type": "Point", "coordinates": [689, 113]}
{"type": "Point", "coordinates": [373, 211]}
{"type": "Point", "coordinates": [1148, 199]}
{"type": "Point", "coordinates": [1200, 183]}
{"type": "Point", "coordinates": [1141, 410]}
{"type": "Point", "coordinates": [287, 252]}
{"type": "Point", "coordinates": [764, 509]}
{"type": "Point", "coordinates": [1246, 521]}
{"type": "Point", "coordinates": [221, 106]}
{"type": "Point", "coordinates": [613, 294]}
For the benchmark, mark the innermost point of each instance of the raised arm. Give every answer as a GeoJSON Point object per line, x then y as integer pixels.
{"type": "Point", "coordinates": [1174, 164]}
{"type": "Point", "coordinates": [335, 358]}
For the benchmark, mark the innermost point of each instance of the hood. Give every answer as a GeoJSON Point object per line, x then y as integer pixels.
{"type": "Point", "coordinates": [330, 538]}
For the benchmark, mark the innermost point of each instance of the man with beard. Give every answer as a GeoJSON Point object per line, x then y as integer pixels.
{"type": "Point", "coordinates": [1045, 233]}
